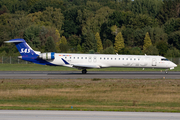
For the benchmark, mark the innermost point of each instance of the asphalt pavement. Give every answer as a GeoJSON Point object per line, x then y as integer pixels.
{"type": "Point", "coordinates": [89, 75]}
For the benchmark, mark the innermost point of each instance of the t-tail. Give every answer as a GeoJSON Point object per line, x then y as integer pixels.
{"type": "Point", "coordinates": [27, 53]}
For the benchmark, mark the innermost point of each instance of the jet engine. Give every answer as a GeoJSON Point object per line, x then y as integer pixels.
{"type": "Point", "coordinates": [47, 56]}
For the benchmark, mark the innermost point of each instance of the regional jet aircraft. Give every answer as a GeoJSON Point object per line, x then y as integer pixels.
{"type": "Point", "coordinates": [89, 61]}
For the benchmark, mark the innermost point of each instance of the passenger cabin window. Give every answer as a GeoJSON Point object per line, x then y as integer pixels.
{"type": "Point", "coordinates": [74, 57]}
{"type": "Point", "coordinates": [65, 57]}
{"type": "Point", "coordinates": [77, 57]}
{"type": "Point", "coordinates": [126, 58]}
{"type": "Point", "coordinates": [104, 58]}
{"type": "Point", "coordinates": [70, 57]}
{"type": "Point", "coordinates": [130, 58]}
{"type": "Point", "coordinates": [85, 57]}
{"type": "Point", "coordinates": [81, 57]}
{"type": "Point", "coordinates": [111, 58]}
{"type": "Point", "coordinates": [115, 58]}
{"type": "Point", "coordinates": [119, 58]}
{"type": "Point", "coordinates": [164, 59]}
{"type": "Point", "coordinates": [123, 59]}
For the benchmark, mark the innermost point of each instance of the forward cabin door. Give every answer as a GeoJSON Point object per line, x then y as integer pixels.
{"type": "Point", "coordinates": [154, 62]}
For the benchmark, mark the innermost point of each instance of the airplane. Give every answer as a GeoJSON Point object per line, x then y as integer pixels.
{"type": "Point", "coordinates": [89, 61]}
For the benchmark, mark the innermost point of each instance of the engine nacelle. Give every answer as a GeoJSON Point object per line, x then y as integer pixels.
{"type": "Point", "coordinates": [47, 56]}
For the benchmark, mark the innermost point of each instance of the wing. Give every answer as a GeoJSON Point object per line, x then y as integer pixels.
{"type": "Point", "coordinates": [81, 66]}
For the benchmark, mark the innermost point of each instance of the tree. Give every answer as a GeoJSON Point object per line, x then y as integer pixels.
{"type": "Point", "coordinates": [63, 40]}
{"type": "Point", "coordinates": [3, 10]}
{"type": "Point", "coordinates": [170, 9]}
{"type": "Point", "coordinates": [157, 34]}
{"type": "Point", "coordinates": [50, 45]}
{"type": "Point", "coordinates": [172, 52]}
{"type": "Point", "coordinates": [119, 42]}
{"type": "Point", "coordinates": [89, 42]}
{"type": "Point", "coordinates": [45, 32]}
{"type": "Point", "coordinates": [79, 49]}
{"type": "Point", "coordinates": [136, 51]}
{"type": "Point", "coordinates": [101, 16]}
{"type": "Point", "coordinates": [172, 25]}
{"type": "Point", "coordinates": [151, 7]}
{"type": "Point", "coordinates": [162, 46]}
{"type": "Point", "coordinates": [58, 40]}
{"type": "Point", "coordinates": [147, 42]}
{"type": "Point", "coordinates": [174, 39]}
{"type": "Point", "coordinates": [120, 18]}
{"type": "Point", "coordinates": [107, 43]}
{"type": "Point", "coordinates": [93, 6]}
{"type": "Point", "coordinates": [141, 21]}
{"type": "Point", "coordinates": [99, 43]}
{"type": "Point", "coordinates": [74, 40]}
{"type": "Point", "coordinates": [128, 35]}
{"type": "Point", "coordinates": [71, 24]}
{"type": "Point", "coordinates": [41, 5]}
{"type": "Point", "coordinates": [31, 35]}
{"type": "Point", "coordinates": [108, 50]}
{"type": "Point", "coordinates": [63, 45]}
{"type": "Point", "coordinates": [151, 50]}
{"type": "Point", "coordinates": [52, 17]}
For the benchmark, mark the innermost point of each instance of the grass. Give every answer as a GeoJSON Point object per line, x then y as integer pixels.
{"type": "Point", "coordinates": [95, 94]}
{"type": "Point", "coordinates": [35, 67]}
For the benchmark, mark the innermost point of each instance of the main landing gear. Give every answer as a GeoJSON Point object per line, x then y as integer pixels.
{"type": "Point", "coordinates": [166, 71]}
{"type": "Point", "coordinates": [84, 71]}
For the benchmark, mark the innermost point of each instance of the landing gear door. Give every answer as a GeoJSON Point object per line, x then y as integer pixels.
{"type": "Point", "coordinates": [154, 62]}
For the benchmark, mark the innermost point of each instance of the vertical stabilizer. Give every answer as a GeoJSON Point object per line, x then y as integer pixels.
{"type": "Point", "coordinates": [23, 48]}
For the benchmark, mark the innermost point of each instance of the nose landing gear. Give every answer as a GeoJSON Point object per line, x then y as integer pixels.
{"type": "Point", "coordinates": [84, 71]}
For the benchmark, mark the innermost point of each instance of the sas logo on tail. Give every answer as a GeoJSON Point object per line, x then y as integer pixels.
{"type": "Point", "coordinates": [25, 50]}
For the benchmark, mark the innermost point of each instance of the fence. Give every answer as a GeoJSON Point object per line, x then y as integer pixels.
{"type": "Point", "coordinates": [12, 60]}
{"type": "Point", "coordinates": [15, 60]}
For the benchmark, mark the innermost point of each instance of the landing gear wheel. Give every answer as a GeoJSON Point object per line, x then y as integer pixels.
{"type": "Point", "coordinates": [166, 71]}
{"type": "Point", "coordinates": [84, 71]}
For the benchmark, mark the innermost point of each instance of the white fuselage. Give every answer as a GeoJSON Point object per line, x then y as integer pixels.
{"type": "Point", "coordinates": [108, 60]}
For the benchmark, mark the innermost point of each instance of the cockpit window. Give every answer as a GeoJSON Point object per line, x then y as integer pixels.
{"type": "Point", "coordinates": [164, 59]}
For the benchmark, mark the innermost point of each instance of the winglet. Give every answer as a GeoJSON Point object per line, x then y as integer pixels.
{"type": "Point", "coordinates": [65, 61]}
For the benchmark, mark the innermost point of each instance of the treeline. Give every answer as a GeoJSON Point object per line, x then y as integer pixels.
{"type": "Point", "coordinates": [92, 26]}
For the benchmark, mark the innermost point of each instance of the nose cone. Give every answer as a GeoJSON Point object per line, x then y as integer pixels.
{"type": "Point", "coordinates": [173, 64]}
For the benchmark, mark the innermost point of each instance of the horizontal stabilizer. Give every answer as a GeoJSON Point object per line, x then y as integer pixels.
{"type": "Point", "coordinates": [14, 41]}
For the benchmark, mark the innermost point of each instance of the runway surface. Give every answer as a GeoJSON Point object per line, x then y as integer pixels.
{"type": "Point", "coordinates": [94, 74]}
{"type": "Point", "coordinates": [84, 115]}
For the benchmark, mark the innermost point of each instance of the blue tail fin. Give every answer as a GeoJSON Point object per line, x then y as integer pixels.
{"type": "Point", "coordinates": [23, 48]}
